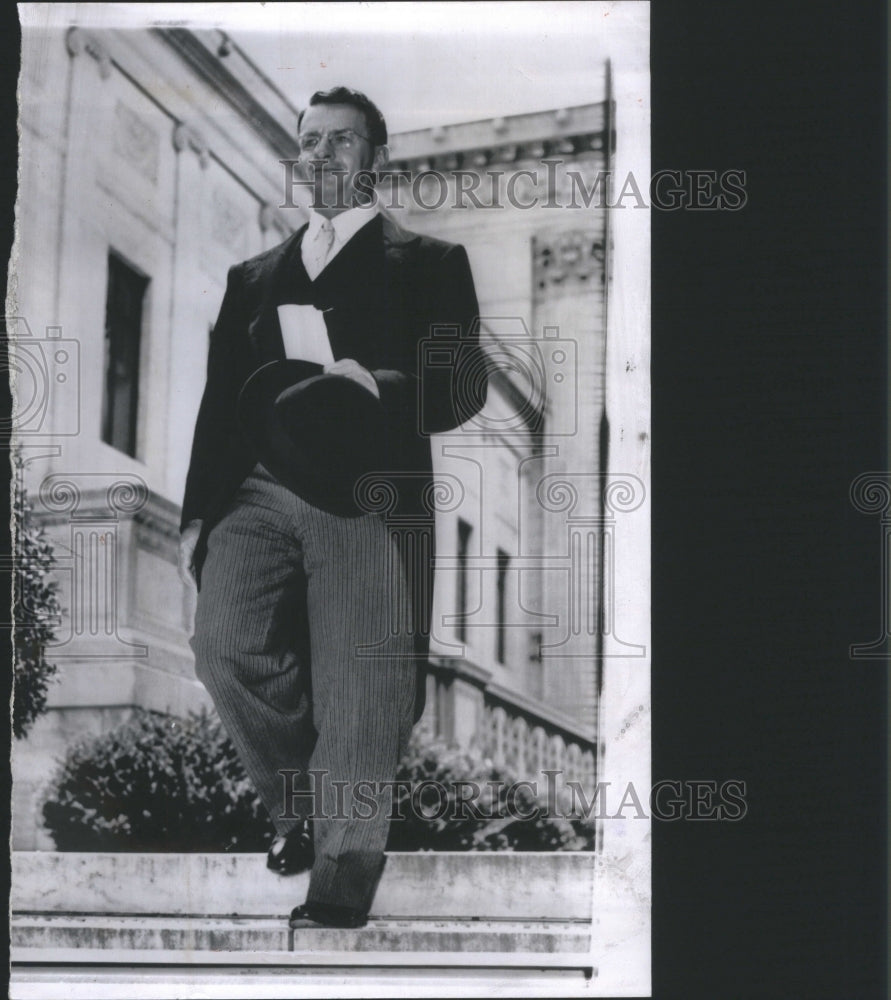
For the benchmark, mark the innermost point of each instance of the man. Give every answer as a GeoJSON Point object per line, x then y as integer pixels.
{"type": "Point", "coordinates": [290, 595]}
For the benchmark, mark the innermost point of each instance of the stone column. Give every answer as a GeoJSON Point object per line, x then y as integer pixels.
{"type": "Point", "coordinates": [75, 306]}
{"type": "Point", "coordinates": [189, 335]}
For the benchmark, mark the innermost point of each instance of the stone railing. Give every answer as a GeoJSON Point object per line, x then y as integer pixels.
{"type": "Point", "coordinates": [468, 708]}
{"type": "Point", "coordinates": [531, 746]}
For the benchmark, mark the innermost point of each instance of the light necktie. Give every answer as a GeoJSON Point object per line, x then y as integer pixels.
{"type": "Point", "coordinates": [323, 243]}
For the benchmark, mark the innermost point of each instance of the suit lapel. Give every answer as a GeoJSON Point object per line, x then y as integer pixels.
{"type": "Point", "coordinates": [286, 282]}
{"type": "Point", "coordinates": [361, 272]}
{"type": "Point", "coordinates": [354, 267]}
{"type": "Point", "coordinates": [366, 261]}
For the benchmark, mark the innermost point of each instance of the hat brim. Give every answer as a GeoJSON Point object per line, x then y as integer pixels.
{"type": "Point", "coordinates": [317, 434]}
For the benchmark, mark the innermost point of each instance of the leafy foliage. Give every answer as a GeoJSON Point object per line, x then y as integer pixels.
{"type": "Point", "coordinates": [156, 783]}
{"type": "Point", "coordinates": [163, 784]}
{"type": "Point", "coordinates": [486, 809]}
{"type": "Point", "coordinates": [36, 611]}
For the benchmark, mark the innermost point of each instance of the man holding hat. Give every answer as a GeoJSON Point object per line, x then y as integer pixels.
{"type": "Point", "coordinates": [321, 395]}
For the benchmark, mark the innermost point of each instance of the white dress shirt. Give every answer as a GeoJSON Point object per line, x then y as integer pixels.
{"type": "Point", "coordinates": [345, 225]}
{"type": "Point", "coordinates": [303, 327]}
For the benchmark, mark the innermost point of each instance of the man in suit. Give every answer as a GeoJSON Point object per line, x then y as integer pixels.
{"type": "Point", "coordinates": [290, 594]}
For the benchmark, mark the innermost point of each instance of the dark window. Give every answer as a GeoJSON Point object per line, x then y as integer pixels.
{"type": "Point", "coordinates": [464, 531]}
{"type": "Point", "coordinates": [123, 334]}
{"type": "Point", "coordinates": [536, 667]}
{"type": "Point", "coordinates": [503, 563]}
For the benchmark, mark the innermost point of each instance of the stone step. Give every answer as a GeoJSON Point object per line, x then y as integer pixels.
{"type": "Point", "coordinates": [531, 886]}
{"type": "Point", "coordinates": [34, 934]}
{"type": "Point", "coordinates": [294, 982]}
{"type": "Point", "coordinates": [575, 921]}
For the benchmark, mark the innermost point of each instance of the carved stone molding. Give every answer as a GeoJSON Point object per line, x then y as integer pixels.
{"type": "Point", "coordinates": [137, 141]}
{"type": "Point", "coordinates": [160, 517]}
{"type": "Point", "coordinates": [227, 221]}
{"type": "Point", "coordinates": [207, 64]}
{"type": "Point", "coordinates": [538, 127]}
{"type": "Point", "coordinates": [502, 152]}
{"type": "Point", "coordinates": [185, 136]}
{"type": "Point", "coordinates": [78, 40]}
{"type": "Point", "coordinates": [567, 263]}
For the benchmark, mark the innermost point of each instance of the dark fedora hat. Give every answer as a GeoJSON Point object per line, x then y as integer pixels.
{"type": "Point", "coordinates": [316, 433]}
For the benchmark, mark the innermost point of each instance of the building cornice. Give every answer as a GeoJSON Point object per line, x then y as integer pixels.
{"type": "Point", "coordinates": [503, 140]}
{"type": "Point", "coordinates": [270, 115]}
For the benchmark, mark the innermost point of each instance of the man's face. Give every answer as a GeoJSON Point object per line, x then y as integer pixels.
{"type": "Point", "coordinates": [335, 148]}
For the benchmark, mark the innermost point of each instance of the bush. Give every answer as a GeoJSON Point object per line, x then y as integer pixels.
{"type": "Point", "coordinates": [163, 784]}
{"type": "Point", "coordinates": [497, 827]}
{"type": "Point", "coordinates": [156, 783]}
{"type": "Point", "coordinates": [36, 611]}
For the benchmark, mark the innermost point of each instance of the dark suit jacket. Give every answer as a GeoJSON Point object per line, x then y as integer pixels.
{"type": "Point", "coordinates": [384, 294]}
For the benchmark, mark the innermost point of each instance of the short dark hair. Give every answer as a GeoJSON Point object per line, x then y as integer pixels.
{"type": "Point", "coordinates": [374, 120]}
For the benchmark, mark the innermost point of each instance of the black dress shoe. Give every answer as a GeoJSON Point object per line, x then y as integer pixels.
{"type": "Point", "coordinates": [326, 915]}
{"type": "Point", "coordinates": [293, 853]}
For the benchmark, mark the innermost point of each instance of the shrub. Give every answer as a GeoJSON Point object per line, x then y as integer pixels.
{"type": "Point", "coordinates": [163, 784]}
{"type": "Point", "coordinates": [156, 783]}
{"type": "Point", "coordinates": [500, 824]}
{"type": "Point", "coordinates": [36, 611]}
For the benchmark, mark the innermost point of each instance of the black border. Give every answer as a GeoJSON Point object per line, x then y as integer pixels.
{"type": "Point", "coordinates": [769, 383]}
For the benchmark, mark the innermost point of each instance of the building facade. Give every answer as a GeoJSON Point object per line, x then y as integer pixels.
{"type": "Point", "coordinates": [158, 167]}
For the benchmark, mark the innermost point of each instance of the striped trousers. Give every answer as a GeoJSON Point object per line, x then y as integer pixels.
{"type": "Point", "coordinates": [289, 595]}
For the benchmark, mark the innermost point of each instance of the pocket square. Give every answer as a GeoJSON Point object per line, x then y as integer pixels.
{"type": "Point", "coordinates": [305, 334]}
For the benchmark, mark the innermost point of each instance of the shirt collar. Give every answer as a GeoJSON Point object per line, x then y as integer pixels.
{"type": "Point", "coordinates": [346, 224]}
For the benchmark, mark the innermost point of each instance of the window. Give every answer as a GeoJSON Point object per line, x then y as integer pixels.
{"type": "Point", "coordinates": [123, 335]}
{"type": "Point", "coordinates": [464, 532]}
{"type": "Point", "coordinates": [500, 613]}
{"type": "Point", "coordinates": [535, 672]}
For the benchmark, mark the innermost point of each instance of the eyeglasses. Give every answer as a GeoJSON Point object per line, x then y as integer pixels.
{"type": "Point", "coordinates": [343, 138]}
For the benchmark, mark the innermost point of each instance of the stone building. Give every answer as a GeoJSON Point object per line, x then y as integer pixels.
{"type": "Point", "coordinates": [155, 170]}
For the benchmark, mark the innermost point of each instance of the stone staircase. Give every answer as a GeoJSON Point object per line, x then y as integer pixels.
{"type": "Point", "coordinates": [470, 911]}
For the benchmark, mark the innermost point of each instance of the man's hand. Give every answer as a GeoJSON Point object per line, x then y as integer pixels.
{"type": "Point", "coordinates": [188, 541]}
{"type": "Point", "coordinates": [352, 369]}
